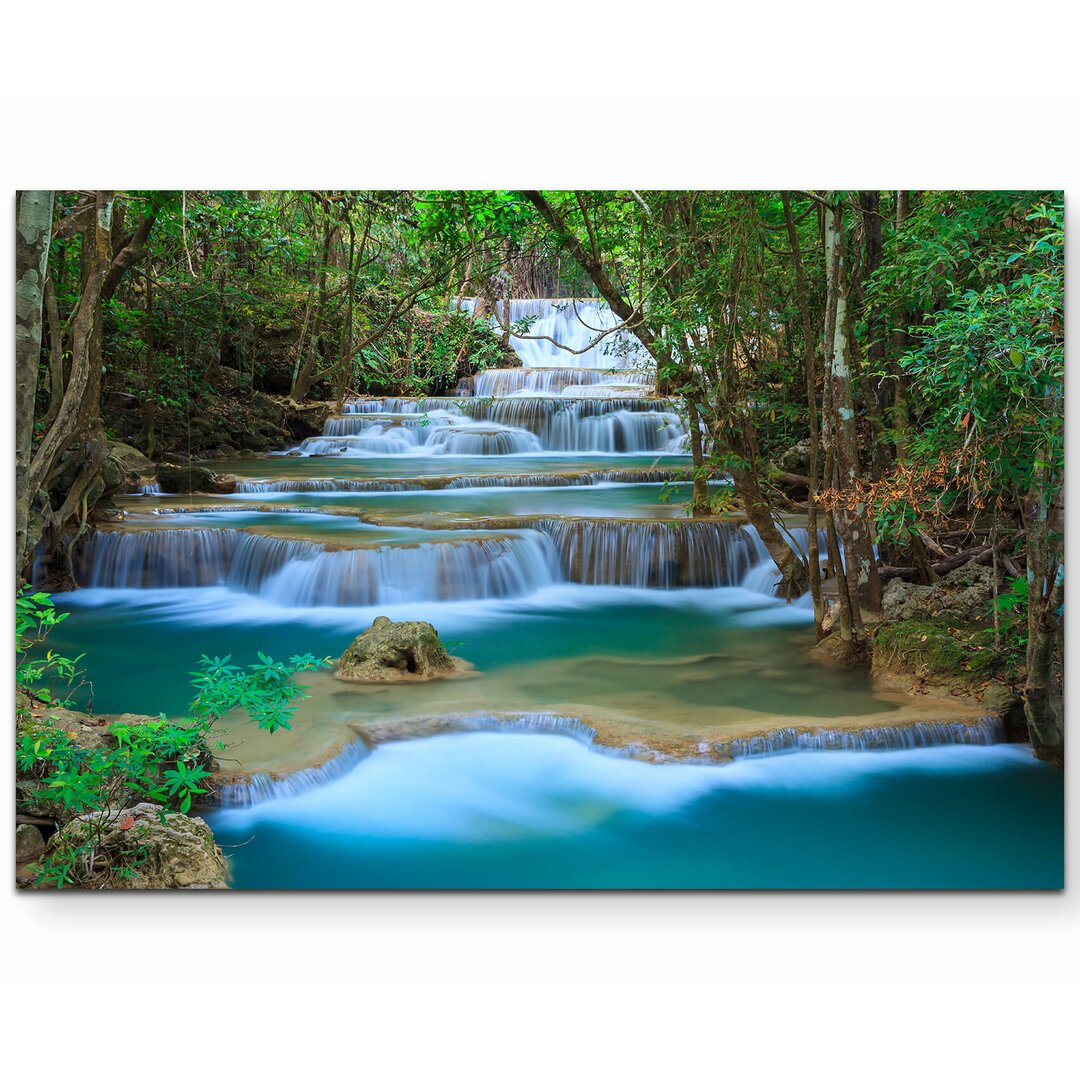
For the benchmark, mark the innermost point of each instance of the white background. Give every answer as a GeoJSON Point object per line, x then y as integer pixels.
{"type": "Point", "coordinates": [200, 95]}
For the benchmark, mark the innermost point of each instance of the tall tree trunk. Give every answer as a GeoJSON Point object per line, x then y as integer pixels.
{"type": "Point", "coordinates": [149, 379]}
{"type": "Point", "coordinates": [77, 417]}
{"type": "Point", "coordinates": [853, 524]}
{"type": "Point", "coordinates": [809, 353]}
{"type": "Point", "coordinates": [700, 501]}
{"type": "Point", "coordinates": [1044, 689]}
{"type": "Point", "coordinates": [305, 376]}
{"type": "Point", "coordinates": [33, 231]}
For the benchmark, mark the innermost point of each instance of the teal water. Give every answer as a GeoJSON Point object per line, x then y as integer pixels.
{"type": "Point", "coordinates": [141, 645]}
{"type": "Point", "coordinates": [406, 466]}
{"type": "Point", "coordinates": [612, 500]}
{"type": "Point", "coordinates": [514, 811]}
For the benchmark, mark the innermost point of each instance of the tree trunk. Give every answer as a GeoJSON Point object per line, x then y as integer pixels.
{"type": "Point", "coordinates": [853, 525]}
{"type": "Point", "coordinates": [810, 374]}
{"type": "Point", "coordinates": [149, 380]}
{"type": "Point", "coordinates": [1043, 690]}
{"type": "Point", "coordinates": [304, 379]}
{"type": "Point", "coordinates": [700, 501]}
{"type": "Point", "coordinates": [77, 417]}
{"type": "Point", "coordinates": [33, 231]}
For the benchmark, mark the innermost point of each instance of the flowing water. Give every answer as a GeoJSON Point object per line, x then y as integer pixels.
{"type": "Point", "coordinates": [640, 712]}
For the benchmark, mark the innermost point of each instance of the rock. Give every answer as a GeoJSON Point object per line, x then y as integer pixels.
{"type": "Point", "coordinates": [154, 849]}
{"type": "Point", "coordinates": [1007, 705]}
{"type": "Point", "coordinates": [796, 459]}
{"type": "Point", "coordinates": [29, 843]}
{"type": "Point", "coordinates": [131, 463]}
{"type": "Point", "coordinates": [185, 479]}
{"type": "Point", "coordinates": [966, 591]}
{"type": "Point", "coordinates": [396, 652]}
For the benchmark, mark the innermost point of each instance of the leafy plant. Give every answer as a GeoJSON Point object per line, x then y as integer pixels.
{"type": "Point", "coordinates": [68, 772]}
{"type": "Point", "coordinates": [35, 617]}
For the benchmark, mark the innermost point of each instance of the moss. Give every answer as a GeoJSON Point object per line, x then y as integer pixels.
{"type": "Point", "coordinates": [946, 648]}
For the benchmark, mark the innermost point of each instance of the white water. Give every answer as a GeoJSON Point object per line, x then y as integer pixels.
{"type": "Point", "coordinates": [579, 326]}
{"type": "Point", "coordinates": [554, 382]}
{"type": "Point", "coordinates": [485, 785]}
{"type": "Point", "coordinates": [503, 426]}
{"type": "Point", "coordinates": [303, 573]}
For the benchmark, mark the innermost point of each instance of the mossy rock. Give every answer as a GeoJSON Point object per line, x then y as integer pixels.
{"type": "Point", "coordinates": [947, 650]}
{"type": "Point", "coordinates": [185, 479]}
{"type": "Point", "coordinates": [146, 847]}
{"type": "Point", "coordinates": [396, 652]}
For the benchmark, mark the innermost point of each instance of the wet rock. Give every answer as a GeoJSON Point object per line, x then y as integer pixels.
{"type": "Point", "coordinates": [395, 652]}
{"type": "Point", "coordinates": [143, 847]}
{"type": "Point", "coordinates": [29, 843]}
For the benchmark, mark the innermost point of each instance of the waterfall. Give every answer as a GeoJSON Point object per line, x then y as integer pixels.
{"type": "Point", "coordinates": [254, 487]}
{"type": "Point", "coordinates": [985, 731]}
{"type": "Point", "coordinates": [588, 479]}
{"type": "Point", "coordinates": [262, 787]}
{"type": "Point", "coordinates": [518, 425]}
{"type": "Point", "coordinates": [638, 554]}
{"type": "Point", "coordinates": [302, 573]}
{"type": "Point", "coordinates": [653, 554]}
{"type": "Point", "coordinates": [552, 381]}
{"type": "Point", "coordinates": [578, 325]}
{"type": "Point", "coordinates": [436, 483]}
{"type": "Point", "coordinates": [481, 438]}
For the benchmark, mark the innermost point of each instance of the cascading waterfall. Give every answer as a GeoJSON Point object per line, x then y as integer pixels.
{"type": "Point", "coordinates": [637, 554]}
{"type": "Point", "coordinates": [653, 554]}
{"type": "Point", "coordinates": [503, 426]}
{"type": "Point", "coordinates": [302, 573]}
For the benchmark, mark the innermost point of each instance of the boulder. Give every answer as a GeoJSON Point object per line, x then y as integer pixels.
{"type": "Point", "coordinates": [145, 847]}
{"type": "Point", "coordinates": [796, 458]}
{"type": "Point", "coordinates": [966, 592]}
{"type": "Point", "coordinates": [129, 462]}
{"type": "Point", "coordinates": [185, 479]}
{"type": "Point", "coordinates": [396, 652]}
{"type": "Point", "coordinates": [29, 843]}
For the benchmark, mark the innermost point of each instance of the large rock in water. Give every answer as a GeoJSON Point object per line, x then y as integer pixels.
{"type": "Point", "coordinates": [162, 850]}
{"type": "Point", "coordinates": [396, 652]}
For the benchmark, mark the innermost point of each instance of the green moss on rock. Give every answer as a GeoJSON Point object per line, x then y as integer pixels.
{"type": "Point", "coordinates": [395, 652]}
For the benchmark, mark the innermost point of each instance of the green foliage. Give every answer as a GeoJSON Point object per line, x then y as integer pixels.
{"type": "Point", "coordinates": [163, 761]}
{"type": "Point", "coordinates": [264, 690]}
{"type": "Point", "coordinates": [981, 276]}
{"type": "Point", "coordinates": [42, 674]}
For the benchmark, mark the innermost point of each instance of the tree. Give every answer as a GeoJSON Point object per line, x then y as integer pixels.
{"type": "Point", "coordinates": [33, 232]}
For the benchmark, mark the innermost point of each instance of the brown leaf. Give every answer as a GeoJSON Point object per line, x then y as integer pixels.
{"type": "Point", "coordinates": [126, 823]}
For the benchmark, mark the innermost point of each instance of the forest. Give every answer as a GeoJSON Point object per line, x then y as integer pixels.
{"type": "Point", "coordinates": [868, 383]}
